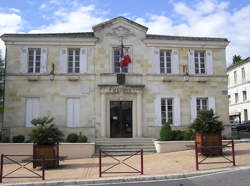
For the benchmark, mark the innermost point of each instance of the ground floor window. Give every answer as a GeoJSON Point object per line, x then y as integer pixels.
{"type": "Point", "coordinates": [201, 104]}
{"type": "Point", "coordinates": [167, 110]}
{"type": "Point", "coordinates": [245, 114]}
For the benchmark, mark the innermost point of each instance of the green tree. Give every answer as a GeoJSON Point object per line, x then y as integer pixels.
{"type": "Point", "coordinates": [236, 59]}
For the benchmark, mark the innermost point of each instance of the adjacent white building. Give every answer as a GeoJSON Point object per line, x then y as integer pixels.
{"type": "Point", "coordinates": [239, 89]}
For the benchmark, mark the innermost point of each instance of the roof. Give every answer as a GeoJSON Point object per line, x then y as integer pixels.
{"type": "Point", "coordinates": [103, 24]}
{"type": "Point", "coordinates": [69, 35]}
{"type": "Point", "coordinates": [232, 66]}
{"type": "Point", "coordinates": [184, 38]}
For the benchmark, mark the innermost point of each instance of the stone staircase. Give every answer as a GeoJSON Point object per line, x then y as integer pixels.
{"type": "Point", "coordinates": [124, 144]}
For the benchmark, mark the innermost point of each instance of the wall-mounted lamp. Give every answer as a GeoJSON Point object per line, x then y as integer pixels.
{"type": "Point", "coordinates": [52, 73]}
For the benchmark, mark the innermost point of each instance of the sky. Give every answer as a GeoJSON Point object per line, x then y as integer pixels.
{"type": "Point", "coordinates": [204, 18]}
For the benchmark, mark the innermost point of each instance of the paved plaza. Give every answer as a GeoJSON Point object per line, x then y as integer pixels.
{"type": "Point", "coordinates": [154, 164]}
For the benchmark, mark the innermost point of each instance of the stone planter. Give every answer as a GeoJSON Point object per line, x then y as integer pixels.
{"type": "Point", "coordinates": [172, 146]}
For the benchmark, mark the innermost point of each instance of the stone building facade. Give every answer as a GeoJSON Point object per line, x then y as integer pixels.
{"type": "Point", "coordinates": [73, 77]}
{"type": "Point", "coordinates": [238, 90]}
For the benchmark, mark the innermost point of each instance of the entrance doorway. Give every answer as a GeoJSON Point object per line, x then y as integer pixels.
{"type": "Point", "coordinates": [121, 119]}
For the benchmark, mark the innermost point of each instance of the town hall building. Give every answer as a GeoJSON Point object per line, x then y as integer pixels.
{"type": "Point", "coordinates": [77, 79]}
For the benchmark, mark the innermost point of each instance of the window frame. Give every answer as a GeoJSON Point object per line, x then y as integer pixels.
{"type": "Point", "coordinates": [74, 55]}
{"type": "Point", "coordinates": [244, 95]}
{"type": "Point", "coordinates": [167, 115]}
{"type": "Point", "coordinates": [116, 63]}
{"type": "Point", "coordinates": [167, 64]}
{"type": "Point", "coordinates": [34, 66]}
{"type": "Point", "coordinates": [201, 103]}
{"type": "Point", "coordinates": [243, 74]}
{"type": "Point", "coordinates": [197, 64]}
{"type": "Point", "coordinates": [236, 97]}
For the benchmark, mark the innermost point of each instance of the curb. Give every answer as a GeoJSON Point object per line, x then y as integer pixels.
{"type": "Point", "coordinates": [126, 179]}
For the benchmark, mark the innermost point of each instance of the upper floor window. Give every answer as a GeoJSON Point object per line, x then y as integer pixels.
{"type": "Point", "coordinates": [229, 99]}
{"type": "Point", "coordinates": [34, 60]}
{"type": "Point", "coordinates": [235, 77]}
{"type": "Point", "coordinates": [73, 60]}
{"type": "Point", "coordinates": [167, 110]}
{"type": "Point", "coordinates": [201, 104]}
{"type": "Point", "coordinates": [244, 95]}
{"type": "Point", "coordinates": [199, 62]}
{"type": "Point", "coordinates": [165, 61]}
{"type": "Point", "coordinates": [236, 96]}
{"type": "Point", "coordinates": [243, 75]}
{"type": "Point", "coordinates": [117, 56]}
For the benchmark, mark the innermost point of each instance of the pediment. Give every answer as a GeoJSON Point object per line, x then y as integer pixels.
{"type": "Point", "coordinates": [120, 31]}
{"type": "Point", "coordinates": [121, 20]}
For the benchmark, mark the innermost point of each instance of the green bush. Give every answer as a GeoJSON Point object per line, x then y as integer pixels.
{"type": "Point", "coordinates": [45, 133]}
{"type": "Point", "coordinates": [72, 138]}
{"type": "Point", "coordinates": [178, 135]}
{"type": "Point", "coordinates": [188, 135]}
{"type": "Point", "coordinates": [18, 139]}
{"type": "Point", "coordinates": [5, 139]}
{"type": "Point", "coordinates": [82, 138]}
{"type": "Point", "coordinates": [166, 132]}
{"type": "Point", "coordinates": [75, 138]}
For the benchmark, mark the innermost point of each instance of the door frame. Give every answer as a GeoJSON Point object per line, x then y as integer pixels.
{"type": "Point", "coordinates": [122, 132]}
{"type": "Point", "coordinates": [133, 100]}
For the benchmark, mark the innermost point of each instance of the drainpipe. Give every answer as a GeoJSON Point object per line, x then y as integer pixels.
{"type": "Point", "coordinates": [4, 77]}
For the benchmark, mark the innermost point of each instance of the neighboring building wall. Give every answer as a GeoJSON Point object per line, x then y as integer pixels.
{"type": "Point", "coordinates": [239, 86]}
{"type": "Point", "coordinates": [97, 86]}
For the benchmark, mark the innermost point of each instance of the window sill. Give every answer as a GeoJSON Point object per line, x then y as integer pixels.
{"type": "Point", "coordinates": [33, 78]}
{"type": "Point", "coordinates": [73, 78]}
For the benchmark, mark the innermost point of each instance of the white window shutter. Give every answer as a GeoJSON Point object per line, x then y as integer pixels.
{"type": "Point", "coordinates": [76, 112]}
{"type": "Point", "coordinates": [70, 111]}
{"type": "Point", "coordinates": [43, 60]}
{"type": "Point", "coordinates": [175, 61]}
{"type": "Point", "coordinates": [32, 110]}
{"type": "Point", "coordinates": [24, 60]}
{"type": "Point", "coordinates": [211, 103]}
{"type": "Point", "coordinates": [35, 108]}
{"type": "Point", "coordinates": [157, 103]}
{"type": "Point", "coordinates": [64, 60]}
{"type": "Point", "coordinates": [209, 62]}
{"type": "Point", "coordinates": [28, 112]}
{"type": "Point", "coordinates": [177, 111]}
{"type": "Point", "coordinates": [157, 61]}
{"type": "Point", "coordinates": [83, 60]}
{"type": "Point", "coordinates": [191, 68]}
{"type": "Point", "coordinates": [193, 108]}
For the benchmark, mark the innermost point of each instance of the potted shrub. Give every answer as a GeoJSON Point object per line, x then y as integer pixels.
{"type": "Point", "coordinates": [45, 137]}
{"type": "Point", "coordinates": [208, 131]}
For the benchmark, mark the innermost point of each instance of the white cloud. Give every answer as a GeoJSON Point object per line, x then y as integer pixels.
{"type": "Point", "coordinates": [10, 23]}
{"type": "Point", "coordinates": [208, 18]}
{"type": "Point", "coordinates": [78, 20]}
{"type": "Point", "coordinates": [15, 10]}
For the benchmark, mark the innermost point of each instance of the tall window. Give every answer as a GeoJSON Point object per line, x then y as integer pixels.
{"type": "Point", "coordinates": [165, 61]}
{"type": "Point", "coordinates": [235, 77]}
{"type": "Point", "coordinates": [245, 114]}
{"type": "Point", "coordinates": [117, 59]}
{"type": "Point", "coordinates": [229, 99]}
{"type": "Point", "coordinates": [73, 112]}
{"type": "Point", "coordinates": [34, 60]}
{"type": "Point", "coordinates": [201, 104]}
{"type": "Point", "coordinates": [243, 75]}
{"type": "Point", "coordinates": [32, 110]}
{"type": "Point", "coordinates": [167, 110]}
{"type": "Point", "coordinates": [73, 60]}
{"type": "Point", "coordinates": [236, 96]}
{"type": "Point", "coordinates": [199, 62]}
{"type": "Point", "coordinates": [244, 95]}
